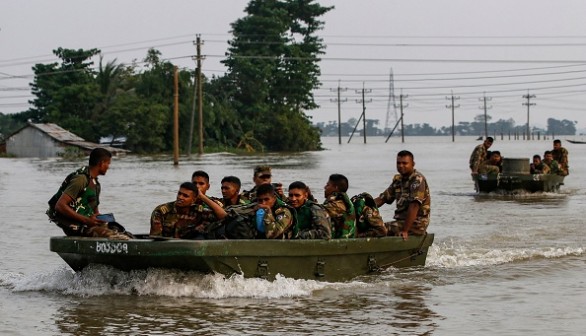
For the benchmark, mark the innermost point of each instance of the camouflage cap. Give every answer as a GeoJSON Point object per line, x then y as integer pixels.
{"type": "Point", "coordinates": [259, 170]}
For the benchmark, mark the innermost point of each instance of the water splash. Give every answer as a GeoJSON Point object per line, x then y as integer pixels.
{"type": "Point", "coordinates": [99, 280]}
{"type": "Point", "coordinates": [450, 255]}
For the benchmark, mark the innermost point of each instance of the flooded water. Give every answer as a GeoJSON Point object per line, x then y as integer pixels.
{"type": "Point", "coordinates": [500, 265]}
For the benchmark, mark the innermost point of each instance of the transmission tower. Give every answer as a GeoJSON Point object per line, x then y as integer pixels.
{"type": "Point", "coordinates": [391, 118]}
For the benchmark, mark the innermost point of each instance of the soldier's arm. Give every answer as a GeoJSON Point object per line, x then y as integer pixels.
{"type": "Point", "coordinates": [277, 225]}
{"type": "Point", "coordinates": [156, 223]}
{"type": "Point", "coordinates": [216, 208]}
{"type": "Point", "coordinates": [336, 208]}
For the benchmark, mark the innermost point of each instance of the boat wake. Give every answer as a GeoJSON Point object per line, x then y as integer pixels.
{"type": "Point", "coordinates": [449, 256]}
{"type": "Point", "coordinates": [99, 280]}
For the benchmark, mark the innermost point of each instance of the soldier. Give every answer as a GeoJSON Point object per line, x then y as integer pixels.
{"type": "Point", "coordinates": [74, 208]}
{"type": "Point", "coordinates": [278, 219]}
{"type": "Point", "coordinates": [182, 218]}
{"type": "Point", "coordinates": [491, 166]}
{"type": "Point", "coordinates": [410, 192]}
{"type": "Point", "coordinates": [538, 166]}
{"type": "Point", "coordinates": [262, 175]}
{"type": "Point", "coordinates": [339, 207]}
{"type": "Point", "coordinates": [551, 163]}
{"type": "Point", "coordinates": [231, 191]}
{"type": "Point", "coordinates": [560, 154]}
{"type": "Point", "coordinates": [479, 154]}
{"type": "Point", "coordinates": [202, 180]}
{"type": "Point", "coordinates": [313, 221]}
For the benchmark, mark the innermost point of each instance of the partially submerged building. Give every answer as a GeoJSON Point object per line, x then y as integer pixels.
{"type": "Point", "coordinates": [49, 140]}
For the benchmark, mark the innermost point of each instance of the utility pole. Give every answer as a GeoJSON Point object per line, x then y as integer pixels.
{"type": "Point", "coordinates": [528, 104]}
{"type": "Point", "coordinates": [197, 96]}
{"type": "Point", "coordinates": [453, 106]}
{"type": "Point", "coordinates": [485, 99]}
{"type": "Point", "coordinates": [339, 101]}
{"type": "Point", "coordinates": [402, 106]}
{"type": "Point", "coordinates": [364, 101]}
{"type": "Point", "coordinates": [176, 119]}
{"type": "Point", "coordinates": [196, 81]}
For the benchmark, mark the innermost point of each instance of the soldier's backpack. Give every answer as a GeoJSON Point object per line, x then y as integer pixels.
{"type": "Point", "coordinates": [53, 201]}
{"type": "Point", "coordinates": [240, 221]}
{"type": "Point", "coordinates": [369, 222]}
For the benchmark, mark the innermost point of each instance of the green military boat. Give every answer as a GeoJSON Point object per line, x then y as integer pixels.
{"type": "Point", "coordinates": [324, 260]}
{"type": "Point", "coordinates": [515, 177]}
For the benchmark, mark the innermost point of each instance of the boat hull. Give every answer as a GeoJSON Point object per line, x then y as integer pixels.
{"type": "Point", "coordinates": [324, 260]}
{"type": "Point", "coordinates": [518, 182]}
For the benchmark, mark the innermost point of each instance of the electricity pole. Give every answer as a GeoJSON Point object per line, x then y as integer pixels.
{"type": "Point", "coordinates": [528, 104]}
{"type": "Point", "coordinates": [485, 99]}
{"type": "Point", "coordinates": [401, 105]}
{"type": "Point", "coordinates": [339, 101]}
{"type": "Point", "coordinates": [364, 101]}
{"type": "Point", "coordinates": [453, 107]}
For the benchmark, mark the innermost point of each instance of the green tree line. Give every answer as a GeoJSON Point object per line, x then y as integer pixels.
{"type": "Point", "coordinates": [260, 103]}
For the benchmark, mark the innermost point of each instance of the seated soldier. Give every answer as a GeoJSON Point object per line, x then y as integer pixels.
{"type": "Point", "coordinates": [262, 175]}
{"type": "Point", "coordinates": [491, 166]}
{"type": "Point", "coordinates": [538, 166]}
{"type": "Point", "coordinates": [182, 218]}
{"type": "Point", "coordinates": [278, 219]}
{"type": "Point", "coordinates": [339, 207]}
{"type": "Point", "coordinates": [201, 179]}
{"type": "Point", "coordinates": [551, 163]}
{"type": "Point", "coordinates": [560, 154]}
{"type": "Point", "coordinates": [312, 220]}
{"type": "Point", "coordinates": [231, 191]}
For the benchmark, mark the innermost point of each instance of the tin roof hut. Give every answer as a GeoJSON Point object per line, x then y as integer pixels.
{"type": "Point", "coordinates": [49, 140]}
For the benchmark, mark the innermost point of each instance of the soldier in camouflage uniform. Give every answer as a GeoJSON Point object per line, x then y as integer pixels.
{"type": "Point", "coordinates": [75, 205]}
{"type": "Point", "coordinates": [183, 218]}
{"type": "Point", "coordinates": [491, 166]}
{"type": "Point", "coordinates": [538, 166]}
{"type": "Point", "coordinates": [231, 192]}
{"type": "Point", "coordinates": [479, 155]}
{"type": "Point", "coordinates": [560, 154]}
{"type": "Point", "coordinates": [312, 219]}
{"type": "Point", "coordinates": [410, 192]}
{"type": "Point", "coordinates": [552, 164]}
{"type": "Point", "coordinates": [202, 180]}
{"type": "Point", "coordinates": [278, 219]}
{"type": "Point", "coordinates": [262, 175]}
{"type": "Point", "coordinates": [339, 207]}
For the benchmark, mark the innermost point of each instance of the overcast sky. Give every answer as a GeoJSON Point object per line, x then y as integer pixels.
{"type": "Point", "coordinates": [501, 49]}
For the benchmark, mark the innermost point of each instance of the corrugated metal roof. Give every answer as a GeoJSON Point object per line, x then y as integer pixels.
{"type": "Point", "coordinates": [57, 133]}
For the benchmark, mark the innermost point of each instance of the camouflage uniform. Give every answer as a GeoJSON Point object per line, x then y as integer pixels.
{"type": "Point", "coordinates": [541, 168]}
{"type": "Point", "coordinates": [369, 222]}
{"type": "Point", "coordinates": [166, 222]}
{"type": "Point", "coordinates": [85, 192]}
{"type": "Point", "coordinates": [342, 215]}
{"type": "Point", "coordinates": [554, 168]}
{"type": "Point", "coordinates": [404, 191]}
{"type": "Point", "coordinates": [313, 222]}
{"type": "Point", "coordinates": [241, 201]}
{"type": "Point", "coordinates": [561, 156]}
{"type": "Point", "coordinates": [477, 157]}
{"type": "Point", "coordinates": [250, 195]}
{"type": "Point", "coordinates": [279, 222]}
{"type": "Point", "coordinates": [487, 168]}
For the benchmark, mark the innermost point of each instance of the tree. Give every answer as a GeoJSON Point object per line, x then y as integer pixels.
{"type": "Point", "coordinates": [561, 127]}
{"type": "Point", "coordinates": [273, 68]}
{"type": "Point", "coordinates": [66, 93]}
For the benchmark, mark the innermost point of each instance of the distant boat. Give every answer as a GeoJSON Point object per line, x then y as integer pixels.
{"type": "Point", "coordinates": [576, 142]}
{"type": "Point", "coordinates": [480, 138]}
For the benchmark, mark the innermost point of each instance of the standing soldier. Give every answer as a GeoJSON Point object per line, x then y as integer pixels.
{"type": "Point", "coordinates": [479, 155]}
